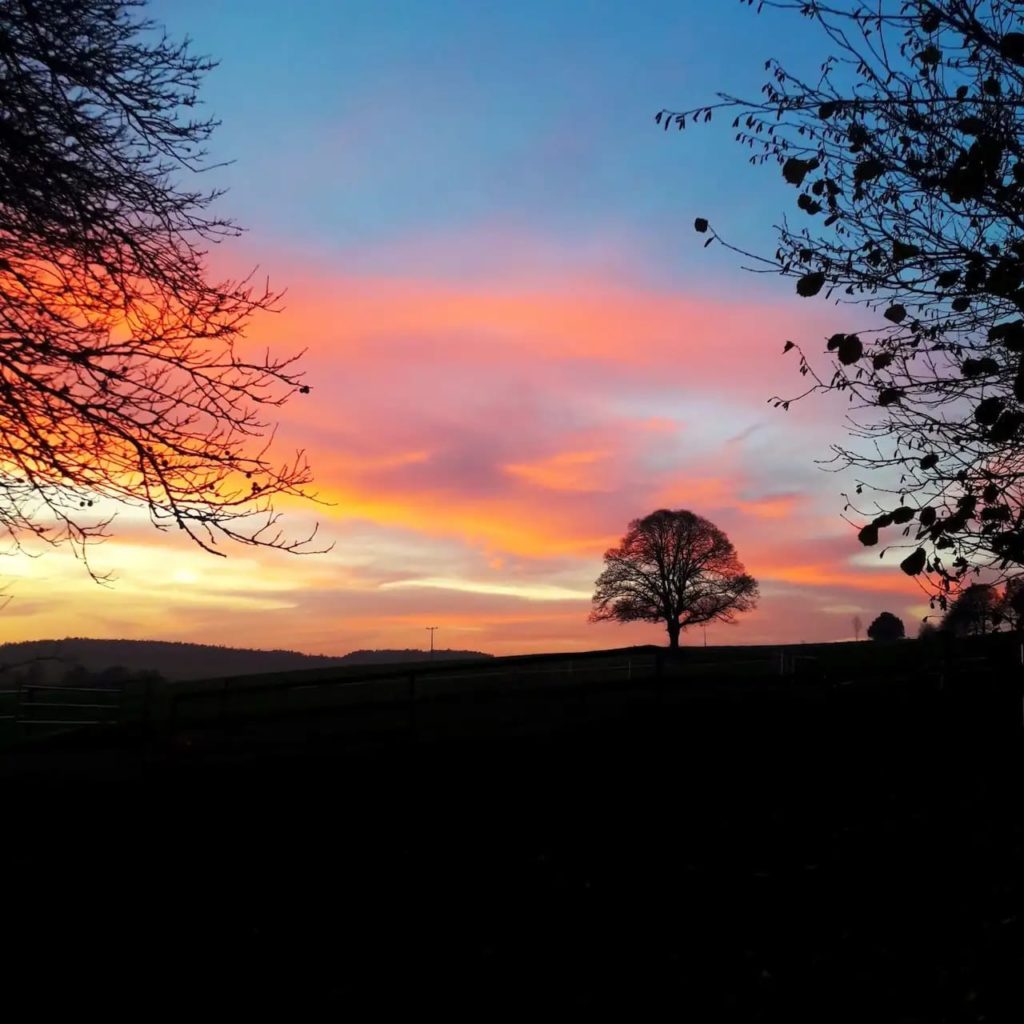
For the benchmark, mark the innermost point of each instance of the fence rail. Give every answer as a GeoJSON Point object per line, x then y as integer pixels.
{"type": "Point", "coordinates": [33, 707]}
{"type": "Point", "coordinates": [219, 699]}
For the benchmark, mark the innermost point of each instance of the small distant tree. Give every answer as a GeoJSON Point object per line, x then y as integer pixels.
{"type": "Point", "coordinates": [975, 612]}
{"type": "Point", "coordinates": [858, 625]}
{"type": "Point", "coordinates": [673, 567]}
{"type": "Point", "coordinates": [928, 631]}
{"type": "Point", "coordinates": [887, 627]}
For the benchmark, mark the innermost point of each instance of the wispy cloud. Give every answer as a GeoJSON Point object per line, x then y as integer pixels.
{"type": "Point", "coordinates": [479, 445]}
{"type": "Point", "coordinates": [526, 591]}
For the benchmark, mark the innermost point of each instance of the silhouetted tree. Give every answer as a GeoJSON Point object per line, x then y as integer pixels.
{"type": "Point", "coordinates": [907, 152]}
{"type": "Point", "coordinates": [858, 625]}
{"type": "Point", "coordinates": [975, 612]}
{"type": "Point", "coordinates": [1011, 604]}
{"type": "Point", "coordinates": [673, 567]}
{"type": "Point", "coordinates": [886, 627]}
{"type": "Point", "coordinates": [928, 631]}
{"type": "Point", "coordinates": [121, 372]}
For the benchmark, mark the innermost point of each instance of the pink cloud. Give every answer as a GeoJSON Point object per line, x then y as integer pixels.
{"type": "Point", "coordinates": [507, 430]}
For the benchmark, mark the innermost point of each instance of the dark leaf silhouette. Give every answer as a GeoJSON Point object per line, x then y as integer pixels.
{"type": "Point", "coordinates": [913, 565]}
{"type": "Point", "coordinates": [1011, 46]}
{"type": "Point", "coordinates": [850, 349]}
{"type": "Point", "coordinates": [904, 251]}
{"type": "Point", "coordinates": [868, 535]}
{"type": "Point", "coordinates": [988, 410]}
{"type": "Point", "coordinates": [1006, 427]}
{"type": "Point", "coordinates": [1010, 334]}
{"type": "Point", "coordinates": [795, 170]}
{"type": "Point", "coordinates": [810, 284]}
{"type": "Point", "coordinates": [978, 367]}
{"type": "Point", "coordinates": [971, 125]}
{"type": "Point", "coordinates": [868, 170]}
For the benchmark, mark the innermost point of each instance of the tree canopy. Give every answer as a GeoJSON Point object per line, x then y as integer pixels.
{"type": "Point", "coordinates": [974, 612]}
{"type": "Point", "coordinates": [906, 151]}
{"type": "Point", "coordinates": [122, 371]}
{"type": "Point", "coordinates": [1012, 604]}
{"type": "Point", "coordinates": [675, 567]}
{"type": "Point", "coordinates": [886, 627]}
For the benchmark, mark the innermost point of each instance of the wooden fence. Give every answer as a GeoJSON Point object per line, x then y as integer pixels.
{"type": "Point", "coordinates": [31, 708]}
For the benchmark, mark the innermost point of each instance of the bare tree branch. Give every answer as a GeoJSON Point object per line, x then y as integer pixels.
{"type": "Point", "coordinates": [123, 374]}
{"type": "Point", "coordinates": [907, 152]}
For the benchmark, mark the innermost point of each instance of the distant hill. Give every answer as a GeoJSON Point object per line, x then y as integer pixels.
{"type": "Point", "coordinates": [180, 661]}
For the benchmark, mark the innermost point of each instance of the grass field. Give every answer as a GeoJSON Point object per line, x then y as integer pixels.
{"type": "Point", "coordinates": [367, 689]}
{"type": "Point", "coordinates": [844, 844]}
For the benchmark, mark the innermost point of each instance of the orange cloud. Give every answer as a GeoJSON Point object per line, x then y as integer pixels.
{"type": "Point", "coordinates": [507, 525]}
{"type": "Point", "coordinates": [778, 506]}
{"type": "Point", "coordinates": [497, 437]}
{"type": "Point", "coordinates": [567, 471]}
{"type": "Point", "coordinates": [886, 580]}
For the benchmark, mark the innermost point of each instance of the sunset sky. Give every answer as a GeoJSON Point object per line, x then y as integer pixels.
{"type": "Point", "coordinates": [516, 342]}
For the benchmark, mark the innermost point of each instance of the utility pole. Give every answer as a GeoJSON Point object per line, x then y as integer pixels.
{"type": "Point", "coordinates": [431, 629]}
{"type": "Point", "coordinates": [704, 626]}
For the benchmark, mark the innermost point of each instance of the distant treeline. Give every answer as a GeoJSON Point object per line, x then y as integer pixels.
{"type": "Point", "coordinates": [51, 660]}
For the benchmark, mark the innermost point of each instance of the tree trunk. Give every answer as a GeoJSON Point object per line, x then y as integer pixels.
{"type": "Point", "coordinates": [673, 635]}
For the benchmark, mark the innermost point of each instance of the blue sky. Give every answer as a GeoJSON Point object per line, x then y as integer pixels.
{"type": "Point", "coordinates": [356, 125]}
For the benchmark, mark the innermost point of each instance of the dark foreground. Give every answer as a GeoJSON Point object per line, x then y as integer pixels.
{"type": "Point", "coordinates": [848, 856]}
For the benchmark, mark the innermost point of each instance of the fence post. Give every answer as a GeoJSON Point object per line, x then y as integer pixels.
{"type": "Point", "coordinates": [412, 704]}
{"type": "Point", "coordinates": [18, 717]}
{"type": "Point", "coordinates": [147, 701]}
{"type": "Point", "coordinates": [27, 696]}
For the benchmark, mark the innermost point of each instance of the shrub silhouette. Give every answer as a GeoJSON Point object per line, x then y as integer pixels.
{"type": "Point", "coordinates": [886, 627]}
